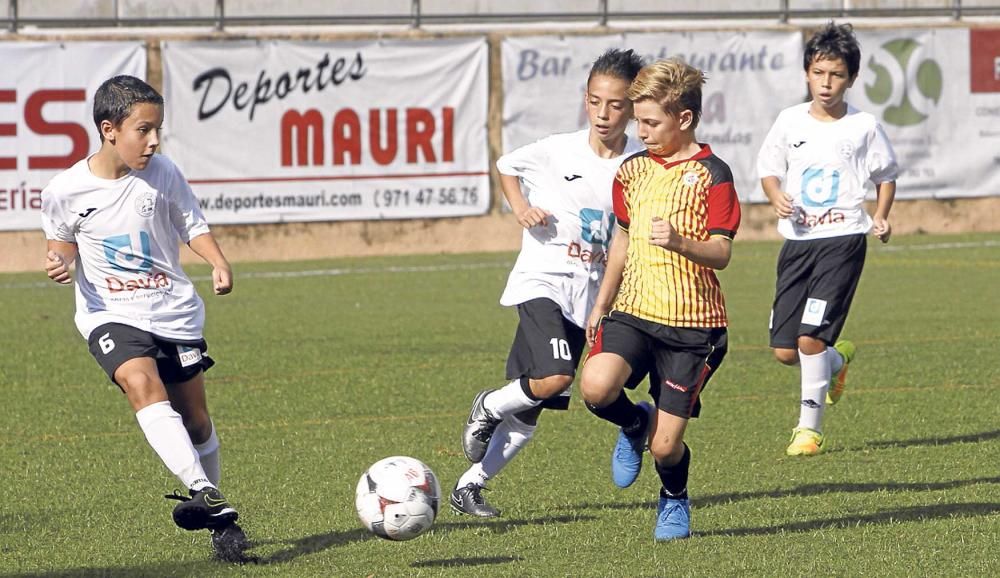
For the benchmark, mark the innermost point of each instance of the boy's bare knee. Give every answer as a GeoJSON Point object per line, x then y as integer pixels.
{"type": "Point", "coordinates": [596, 392]}
{"type": "Point", "coordinates": [666, 450]}
{"type": "Point", "coordinates": [786, 356]}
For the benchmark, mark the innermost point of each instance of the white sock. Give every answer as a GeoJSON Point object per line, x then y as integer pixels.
{"type": "Point", "coordinates": [164, 430]}
{"type": "Point", "coordinates": [509, 400]}
{"type": "Point", "coordinates": [836, 360]}
{"type": "Point", "coordinates": [508, 439]}
{"type": "Point", "coordinates": [815, 381]}
{"type": "Point", "coordinates": [208, 455]}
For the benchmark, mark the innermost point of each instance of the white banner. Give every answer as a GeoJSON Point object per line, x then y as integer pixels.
{"type": "Point", "coordinates": [46, 115]}
{"type": "Point", "coordinates": [937, 93]}
{"type": "Point", "coordinates": [752, 76]}
{"type": "Point", "coordinates": [275, 131]}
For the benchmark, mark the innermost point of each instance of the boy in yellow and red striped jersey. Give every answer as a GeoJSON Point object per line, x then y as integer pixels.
{"type": "Point", "coordinates": [677, 212]}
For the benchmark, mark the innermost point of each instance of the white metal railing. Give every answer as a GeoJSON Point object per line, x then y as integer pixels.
{"type": "Point", "coordinates": [415, 18]}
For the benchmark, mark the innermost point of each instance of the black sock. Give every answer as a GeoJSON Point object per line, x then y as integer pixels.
{"type": "Point", "coordinates": [624, 414]}
{"type": "Point", "coordinates": [675, 477]}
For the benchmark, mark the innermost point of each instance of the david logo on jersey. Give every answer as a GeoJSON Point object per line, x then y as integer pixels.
{"type": "Point", "coordinates": [124, 256]}
{"type": "Point", "coordinates": [594, 229]}
{"type": "Point", "coordinates": [820, 189]}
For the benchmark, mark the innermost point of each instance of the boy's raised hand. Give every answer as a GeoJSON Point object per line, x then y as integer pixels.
{"type": "Point", "coordinates": [663, 234]}
{"type": "Point", "coordinates": [882, 229]}
{"type": "Point", "coordinates": [57, 269]}
{"type": "Point", "coordinates": [533, 216]}
{"type": "Point", "coordinates": [782, 205]}
{"type": "Point", "coordinates": [222, 280]}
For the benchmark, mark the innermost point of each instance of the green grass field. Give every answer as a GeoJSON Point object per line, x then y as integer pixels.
{"type": "Point", "coordinates": [325, 367]}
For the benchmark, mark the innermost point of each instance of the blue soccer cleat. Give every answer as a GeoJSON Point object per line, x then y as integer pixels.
{"type": "Point", "coordinates": [673, 520]}
{"type": "Point", "coordinates": [626, 461]}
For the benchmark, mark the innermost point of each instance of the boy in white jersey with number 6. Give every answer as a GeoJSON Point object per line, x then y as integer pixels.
{"type": "Point", "coordinates": [119, 215]}
{"type": "Point", "coordinates": [814, 166]}
{"type": "Point", "coordinates": [560, 190]}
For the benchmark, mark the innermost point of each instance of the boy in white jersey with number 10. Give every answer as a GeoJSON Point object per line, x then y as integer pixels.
{"type": "Point", "coordinates": [814, 166]}
{"type": "Point", "coordinates": [560, 190]}
{"type": "Point", "coordinates": [119, 214]}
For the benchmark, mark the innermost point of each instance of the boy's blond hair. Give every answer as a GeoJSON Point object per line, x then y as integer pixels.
{"type": "Point", "coordinates": [673, 84]}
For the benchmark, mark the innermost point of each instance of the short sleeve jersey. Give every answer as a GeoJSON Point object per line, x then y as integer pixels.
{"type": "Point", "coordinates": [127, 233]}
{"type": "Point", "coordinates": [697, 196]}
{"type": "Point", "coordinates": [825, 168]}
{"type": "Point", "coordinates": [563, 261]}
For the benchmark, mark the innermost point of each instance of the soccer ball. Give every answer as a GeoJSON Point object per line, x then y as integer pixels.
{"type": "Point", "coordinates": [397, 498]}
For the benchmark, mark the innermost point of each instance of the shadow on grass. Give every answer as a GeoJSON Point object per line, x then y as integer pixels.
{"type": "Point", "coordinates": [933, 441]}
{"type": "Point", "coordinates": [464, 562]}
{"type": "Point", "coordinates": [311, 545]}
{"type": "Point", "coordinates": [806, 490]}
{"type": "Point", "coordinates": [911, 514]}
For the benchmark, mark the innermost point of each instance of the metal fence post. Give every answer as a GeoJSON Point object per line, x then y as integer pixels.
{"type": "Point", "coordinates": [12, 12]}
{"type": "Point", "coordinates": [956, 13]}
{"type": "Point", "coordinates": [220, 15]}
{"type": "Point", "coordinates": [603, 8]}
{"type": "Point", "coordinates": [784, 11]}
{"type": "Point", "coordinates": [415, 14]}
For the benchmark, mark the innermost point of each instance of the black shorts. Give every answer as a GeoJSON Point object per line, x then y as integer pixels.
{"type": "Point", "coordinates": [816, 282]}
{"type": "Point", "coordinates": [177, 361]}
{"type": "Point", "coordinates": [546, 344]}
{"type": "Point", "coordinates": [679, 360]}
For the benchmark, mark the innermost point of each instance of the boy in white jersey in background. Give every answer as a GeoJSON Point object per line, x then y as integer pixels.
{"type": "Point", "coordinates": [560, 190]}
{"type": "Point", "coordinates": [814, 166]}
{"type": "Point", "coordinates": [119, 214]}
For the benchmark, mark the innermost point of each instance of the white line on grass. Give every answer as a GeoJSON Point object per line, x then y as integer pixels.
{"type": "Point", "coordinates": [310, 273]}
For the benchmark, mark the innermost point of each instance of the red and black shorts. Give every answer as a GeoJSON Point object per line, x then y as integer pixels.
{"type": "Point", "coordinates": [546, 344]}
{"type": "Point", "coordinates": [177, 361]}
{"type": "Point", "coordinates": [678, 360]}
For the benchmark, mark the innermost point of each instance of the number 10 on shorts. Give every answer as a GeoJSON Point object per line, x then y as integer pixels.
{"type": "Point", "coordinates": [560, 349]}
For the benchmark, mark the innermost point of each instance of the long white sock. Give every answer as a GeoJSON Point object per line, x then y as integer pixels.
{"type": "Point", "coordinates": [509, 400]}
{"type": "Point", "coordinates": [815, 381]}
{"type": "Point", "coordinates": [164, 430]}
{"type": "Point", "coordinates": [508, 439]}
{"type": "Point", "coordinates": [836, 360]}
{"type": "Point", "coordinates": [208, 454]}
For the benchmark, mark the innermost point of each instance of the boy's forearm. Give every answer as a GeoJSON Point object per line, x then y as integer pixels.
{"type": "Point", "coordinates": [613, 271]}
{"type": "Point", "coordinates": [713, 253]}
{"type": "Point", "coordinates": [68, 251]}
{"type": "Point", "coordinates": [772, 188]}
{"type": "Point", "coordinates": [886, 194]}
{"type": "Point", "coordinates": [207, 248]}
{"type": "Point", "coordinates": [511, 187]}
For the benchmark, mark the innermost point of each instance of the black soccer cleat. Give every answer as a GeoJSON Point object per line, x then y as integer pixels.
{"type": "Point", "coordinates": [230, 545]}
{"type": "Point", "coordinates": [469, 500]}
{"type": "Point", "coordinates": [206, 508]}
{"type": "Point", "coordinates": [479, 429]}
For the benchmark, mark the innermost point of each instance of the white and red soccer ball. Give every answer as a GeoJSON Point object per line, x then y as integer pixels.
{"type": "Point", "coordinates": [397, 498]}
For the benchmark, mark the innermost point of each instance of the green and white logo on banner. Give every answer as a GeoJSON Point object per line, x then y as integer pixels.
{"type": "Point", "coordinates": [899, 71]}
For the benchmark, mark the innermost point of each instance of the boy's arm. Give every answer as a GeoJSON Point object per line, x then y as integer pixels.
{"type": "Point", "coordinates": [881, 228]}
{"type": "Point", "coordinates": [713, 253]}
{"type": "Point", "coordinates": [779, 199]}
{"type": "Point", "coordinates": [208, 249]}
{"type": "Point", "coordinates": [58, 259]}
{"type": "Point", "coordinates": [609, 285]}
{"type": "Point", "coordinates": [527, 216]}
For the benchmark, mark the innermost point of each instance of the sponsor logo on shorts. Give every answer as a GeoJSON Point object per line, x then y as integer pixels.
{"type": "Point", "coordinates": [811, 404]}
{"type": "Point", "coordinates": [675, 386]}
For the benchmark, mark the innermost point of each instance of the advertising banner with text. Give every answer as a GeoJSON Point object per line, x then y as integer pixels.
{"type": "Point", "coordinates": [275, 131]}
{"type": "Point", "coordinates": [937, 94]}
{"type": "Point", "coordinates": [46, 115]}
{"type": "Point", "coordinates": [752, 76]}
